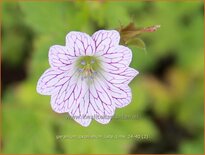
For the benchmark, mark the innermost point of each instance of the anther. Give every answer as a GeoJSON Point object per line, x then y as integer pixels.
{"type": "Point", "coordinates": [91, 77]}
{"type": "Point", "coordinates": [82, 62]}
{"type": "Point", "coordinates": [92, 61]}
{"type": "Point", "coordinates": [80, 70]}
{"type": "Point", "coordinates": [94, 72]}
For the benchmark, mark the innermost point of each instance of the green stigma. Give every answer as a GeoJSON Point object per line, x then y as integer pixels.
{"type": "Point", "coordinates": [88, 66]}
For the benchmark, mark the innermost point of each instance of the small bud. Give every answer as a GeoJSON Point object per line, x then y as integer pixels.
{"type": "Point", "coordinates": [129, 34]}
{"type": "Point", "coordinates": [151, 28]}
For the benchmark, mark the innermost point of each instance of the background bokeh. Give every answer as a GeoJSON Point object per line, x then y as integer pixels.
{"type": "Point", "coordinates": [168, 94]}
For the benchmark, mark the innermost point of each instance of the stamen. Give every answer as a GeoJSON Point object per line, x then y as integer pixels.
{"type": "Point", "coordinates": [83, 62]}
{"type": "Point", "coordinates": [80, 70]}
{"type": "Point", "coordinates": [87, 66]}
{"type": "Point", "coordinates": [94, 72]}
{"type": "Point", "coordinates": [91, 77]}
{"type": "Point", "coordinates": [92, 61]}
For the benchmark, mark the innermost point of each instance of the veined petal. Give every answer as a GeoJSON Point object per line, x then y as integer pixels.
{"type": "Point", "coordinates": [101, 101]}
{"type": "Point", "coordinates": [105, 39]}
{"type": "Point", "coordinates": [124, 77]}
{"type": "Point", "coordinates": [50, 80]}
{"type": "Point", "coordinates": [122, 97]}
{"type": "Point", "coordinates": [103, 119]}
{"type": "Point", "coordinates": [117, 59]}
{"type": "Point", "coordinates": [96, 103]}
{"type": "Point", "coordinates": [59, 58]}
{"type": "Point", "coordinates": [121, 93]}
{"type": "Point", "coordinates": [80, 44]}
{"type": "Point", "coordinates": [80, 113]}
{"type": "Point", "coordinates": [67, 98]}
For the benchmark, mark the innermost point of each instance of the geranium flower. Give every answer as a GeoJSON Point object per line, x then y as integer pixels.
{"type": "Point", "coordinates": [89, 76]}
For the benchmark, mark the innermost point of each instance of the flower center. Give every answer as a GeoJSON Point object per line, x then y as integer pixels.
{"type": "Point", "coordinates": [88, 67]}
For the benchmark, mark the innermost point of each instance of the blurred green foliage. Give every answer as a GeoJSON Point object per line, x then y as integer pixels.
{"type": "Point", "coordinates": [30, 126]}
{"type": "Point", "coordinates": [15, 35]}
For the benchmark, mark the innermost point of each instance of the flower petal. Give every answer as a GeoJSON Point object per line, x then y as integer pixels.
{"type": "Point", "coordinates": [80, 113]}
{"type": "Point", "coordinates": [122, 97]}
{"type": "Point", "coordinates": [124, 77]}
{"type": "Point", "coordinates": [49, 80]}
{"type": "Point", "coordinates": [121, 93]}
{"type": "Point", "coordinates": [96, 103]}
{"type": "Point", "coordinates": [117, 59]}
{"type": "Point", "coordinates": [103, 119]}
{"type": "Point", "coordinates": [105, 39]}
{"type": "Point", "coordinates": [59, 58]}
{"type": "Point", "coordinates": [101, 102]}
{"type": "Point", "coordinates": [80, 44]}
{"type": "Point", "coordinates": [69, 95]}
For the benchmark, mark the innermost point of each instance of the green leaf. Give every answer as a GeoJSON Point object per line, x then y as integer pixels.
{"type": "Point", "coordinates": [16, 37]}
{"type": "Point", "coordinates": [46, 17]}
{"type": "Point", "coordinates": [26, 130]}
{"type": "Point", "coordinates": [137, 42]}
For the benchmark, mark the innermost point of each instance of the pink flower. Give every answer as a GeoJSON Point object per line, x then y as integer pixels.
{"type": "Point", "coordinates": [89, 76]}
